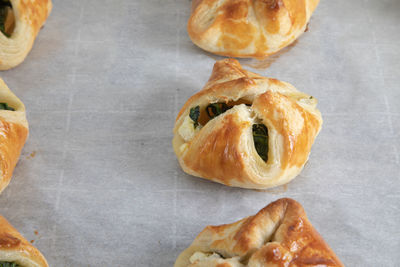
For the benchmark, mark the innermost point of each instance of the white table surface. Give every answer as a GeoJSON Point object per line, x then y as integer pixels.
{"type": "Point", "coordinates": [98, 178]}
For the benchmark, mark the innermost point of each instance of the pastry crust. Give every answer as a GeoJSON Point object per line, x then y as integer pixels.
{"type": "Point", "coordinates": [278, 235]}
{"type": "Point", "coordinates": [248, 28]}
{"type": "Point", "coordinates": [15, 248]}
{"type": "Point", "coordinates": [223, 149]}
{"type": "Point", "coordinates": [30, 15]}
{"type": "Point", "coordinates": [13, 134]}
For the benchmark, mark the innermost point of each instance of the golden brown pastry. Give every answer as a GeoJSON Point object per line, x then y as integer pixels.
{"type": "Point", "coordinates": [245, 130]}
{"type": "Point", "coordinates": [15, 250]}
{"type": "Point", "coordinates": [13, 133]}
{"type": "Point", "coordinates": [278, 235]}
{"type": "Point", "coordinates": [248, 28]}
{"type": "Point", "coordinates": [20, 22]}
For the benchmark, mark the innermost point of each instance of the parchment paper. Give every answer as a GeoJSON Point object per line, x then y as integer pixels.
{"type": "Point", "coordinates": [98, 179]}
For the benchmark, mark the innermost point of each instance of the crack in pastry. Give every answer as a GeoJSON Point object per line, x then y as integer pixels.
{"type": "Point", "coordinates": [20, 22]}
{"type": "Point", "coordinates": [7, 18]}
{"type": "Point", "coordinates": [248, 28]}
{"type": "Point", "coordinates": [260, 131]}
{"type": "Point", "coordinates": [245, 130]}
{"type": "Point", "coordinates": [278, 235]}
{"type": "Point", "coordinates": [13, 133]}
{"type": "Point", "coordinates": [15, 250]}
{"type": "Point", "coordinates": [260, 137]}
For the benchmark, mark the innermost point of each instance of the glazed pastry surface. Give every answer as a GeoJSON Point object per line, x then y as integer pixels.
{"type": "Point", "coordinates": [13, 134]}
{"type": "Point", "coordinates": [15, 248]}
{"type": "Point", "coordinates": [29, 16]}
{"type": "Point", "coordinates": [222, 149]}
{"type": "Point", "coordinates": [248, 28]}
{"type": "Point", "coordinates": [278, 235]}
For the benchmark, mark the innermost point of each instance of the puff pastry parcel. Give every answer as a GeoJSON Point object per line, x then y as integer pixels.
{"type": "Point", "coordinates": [245, 130]}
{"type": "Point", "coordinates": [248, 28]}
{"type": "Point", "coordinates": [278, 235]}
{"type": "Point", "coordinates": [20, 22]}
{"type": "Point", "coordinates": [15, 250]}
{"type": "Point", "coordinates": [13, 133]}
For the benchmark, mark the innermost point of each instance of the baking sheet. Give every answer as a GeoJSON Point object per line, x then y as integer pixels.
{"type": "Point", "coordinates": [98, 179]}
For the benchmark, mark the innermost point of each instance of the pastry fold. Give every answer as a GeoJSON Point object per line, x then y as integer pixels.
{"type": "Point", "coordinates": [13, 133]}
{"type": "Point", "coordinates": [14, 248]}
{"type": "Point", "coordinates": [248, 28]}
{"type": "Point", "coordinates": [29, 17]}
{"type": "Point", "coordinates": [223, 149]}
{"type": "Point", "coordinates": [278, 235]}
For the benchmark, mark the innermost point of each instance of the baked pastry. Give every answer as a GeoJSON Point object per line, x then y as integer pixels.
{"type": "Point", "coordinates": [13, 133]}
{"type": "Point", "coordinates": [246, 130]}
{"type": "Point", "coordinates": [248, 28]}
{"type": "Point", "coordinates": [15, 250]}
{"type": "Point", "coordinates": [278, 235]}
{"type": "Point", "coordinates": [20, 22]}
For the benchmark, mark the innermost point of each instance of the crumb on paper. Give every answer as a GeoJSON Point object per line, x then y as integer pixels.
{"type": "Point", "coordinates": [31, 155]}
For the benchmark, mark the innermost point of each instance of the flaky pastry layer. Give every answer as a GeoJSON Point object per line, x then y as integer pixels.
{"type": "Point", "coordinates": [13, 134]}
{"type": "Point", "coordinates": [278, 235]}
{"type": "Point", "coordinates": [30, 16]}
{"type": "Point", "coordinates": [223, 150]}
{"type": "Point", "coordinates": [16, 249]}
{"type": "Point", "coordinates": [248, 28]}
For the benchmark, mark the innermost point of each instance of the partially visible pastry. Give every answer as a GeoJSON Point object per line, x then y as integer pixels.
{"type": "Point", "coordinates": [13, 133]}
{"type": "Point", "coordinates": [20, 22]}
{"type": "Point", "coordinates": [15, 250]}
{"type": "Point", "coordinates": [278, 235]}
{"type": "Point", "coordinates": [248, 28]}
{"type": "Point", "coordinates": [245, 130]}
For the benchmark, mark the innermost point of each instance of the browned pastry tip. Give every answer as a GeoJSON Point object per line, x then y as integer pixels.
{"type": "Point", "coordinates": [13, 133]}
{"type": "Point", "coordinates": [278, 235]}
{"type": "Point", "coordinates": [248, 28]}
{"type": "Point", "coordinates": [14, 248]}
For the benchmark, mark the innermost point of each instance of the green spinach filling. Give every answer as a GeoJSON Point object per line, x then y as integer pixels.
{"type": "Point", "coordinates": [8, 264]}
{"type": "Point", "coordinates": [194, 115]}
{"type": "Point", "coordinates": [260, 131]}
{"type": "Point", "coordinates": [260, 136]}
{"type": "Point", "coordinates": [216, 109]}
{"type": "Point", "coordinates": [5, 106]}
{"type": "Point", "coordinates": [5, 8]}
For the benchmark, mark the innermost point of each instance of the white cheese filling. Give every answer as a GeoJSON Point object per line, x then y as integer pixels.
{"type": "Point", "coordinates": [187, 130]}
